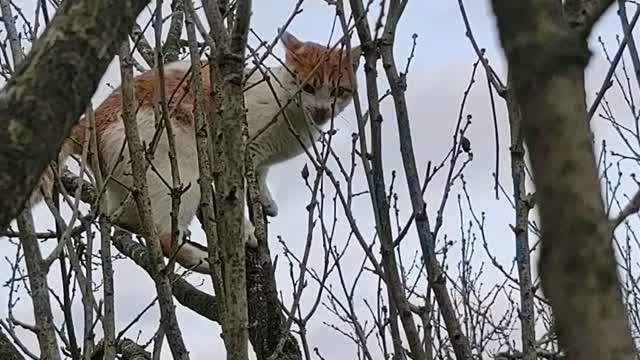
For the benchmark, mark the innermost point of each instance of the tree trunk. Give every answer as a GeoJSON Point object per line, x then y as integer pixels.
{"type": "Point", "coordinates": [577, 263]}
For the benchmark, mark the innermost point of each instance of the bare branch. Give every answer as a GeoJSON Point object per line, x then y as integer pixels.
{"type": "Point", "coordinates": [632, 207]}
{"type": "Point", "coordinates": [39, 289]}
{"type": "Point", "coordinates": [141, 196]}
{"type": "Point", "coordinates": [579, 282]}
{"type": "Point", "coordinates": [189, 296]}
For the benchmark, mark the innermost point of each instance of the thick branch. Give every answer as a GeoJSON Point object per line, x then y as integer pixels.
{"type": "Point", "coordinates": [229, 146]}
{"type": "Point", "coordinates": [188, 295]}
{"type": "Point", "coordinates": [128, 349]}
{"type": "Point", "coordinates": [7, 350]}
{"type": "Point", "coordinates": [171, 47]}
{"type": "Point", "coordinates": [52, 87]}
{"type": "Point", "coordinates": [71, 182]}
{"type": "Point", "coordinates": [581, 15]}
{"type": "Point", "coordinates": [521, 228]}
{"type": "Point", "coordinates": [547, 59]}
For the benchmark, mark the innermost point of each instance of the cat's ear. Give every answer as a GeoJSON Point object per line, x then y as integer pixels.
{"type": "Point", "coordinates": [291, 44]}
{"type": "Point", "coordinates": [355, 57]}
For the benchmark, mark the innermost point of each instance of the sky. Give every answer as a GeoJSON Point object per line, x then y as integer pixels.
{"type": "Point", "coordinates": [439, 74]}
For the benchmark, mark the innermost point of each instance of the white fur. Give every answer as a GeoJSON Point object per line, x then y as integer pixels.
{"type": "Point", "coordinates": [182, 66]}
{"type": "Point", "coordinates": [276, 144]}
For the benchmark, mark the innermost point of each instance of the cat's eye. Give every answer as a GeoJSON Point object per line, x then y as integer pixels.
{"type": "Point", "coordinates": [309, 89]}
{"type": "Point", "coordinates": [338, 92]}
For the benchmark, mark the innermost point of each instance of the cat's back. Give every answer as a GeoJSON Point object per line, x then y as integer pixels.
{"type": "Point", "coordinates": [176, 95]}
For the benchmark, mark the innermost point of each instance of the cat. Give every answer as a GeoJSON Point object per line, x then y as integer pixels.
{"type": "Point", "coordinates": [328, 91]}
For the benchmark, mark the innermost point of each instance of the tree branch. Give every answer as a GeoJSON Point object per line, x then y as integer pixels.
{"type": "Point", "coordinates": [143, 203]}
{"type": "Point", "coordinates": [227, 63]}
{"type": "Point", "coordinates": [171, 47]}
{"type": "Point", "coordinates": [41, 103]}
{"type": "Point", "coordinates": [581, 15]}
{"type": "Point", "coordinates": [188, 295]}
{"type": "Point", "coordinates": [547, 56]}
{"type": "Point", "coordinates": [632, 207]}
{"type": "Point", "coordinates": [125, 347]}
{"type": "Point", "coordinates": [7, 350]}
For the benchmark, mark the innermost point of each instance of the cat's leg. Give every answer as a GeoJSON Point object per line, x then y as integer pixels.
{"type": "Point", "coordinates": [269, 205]}
{"type": "Point", "coordinates": [249, 233]}
{"type": "Point", "coordinates": [249, 230]}
{"type": "Point", "coordinates": [189, 254]}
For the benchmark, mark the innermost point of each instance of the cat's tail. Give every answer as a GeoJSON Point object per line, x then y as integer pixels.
{"type": "Point", "coordinates": [71, 145]}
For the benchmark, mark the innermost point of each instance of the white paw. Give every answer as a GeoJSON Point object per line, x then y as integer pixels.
{"type": "Point", "coordinates": [249, 234]}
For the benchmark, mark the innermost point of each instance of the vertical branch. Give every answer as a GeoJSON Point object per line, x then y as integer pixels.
{"type": "Point", "coordinates": [108, 319]}
{"type": "Point", "coordinates": [521, 229]}
{"type": "Point", "coordinates": [161, 112]}
{"type": "Point", "coordinates": [380, 201]}
{"type": "Point", "coordinates": [265, 313]}
{"type": "Point", "coordinates": [171, 47]}
{"type": "Point", "coordinates": [12, 33]}
{"type": "Point", "coordinates": [45, 329]}
{"type": "Point", "coordinates": [7, 350]}
{"type": "Point", "coordinates": [87, 301]}
{"type": "Point", "coordinates": [547, 60]}
{"type": "Point", "coordinates": [522, 206]}
{"type": "Point", "coordinates": [204, 162]}
{"type": "Point", "coordinates": [67, 302]}
{"type": "Point", "coordinates": [40, 104]}
{"type": "Point", "coordinates": [458, 339]}
{"type": "Point", "coordinates": [141, 197]}
{"type": "Point", "coordinates": [268, 329]}
{"type": "Point", "coordinates": [626, 29]}
{"type": "Point", "coordinates": [232, 184]}
{"type": "Point", "coordinates": [230, 139]}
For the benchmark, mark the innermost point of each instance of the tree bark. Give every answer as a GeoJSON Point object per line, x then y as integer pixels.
{"type": "Point", "coordinates": [7, 350]}
{"type": "Point", "coordinates": [140, 193]}
{"type": "Point", "coordinates": [437, 280]}
{"type": "Point", "coordinates": [230, 137]}
{"type": "Point", "coordinates": [37, 270]}
{"type": "Point", "coordinates": [52, 87]}
{"type": "Point", "coordinates": [521, 228]}
{"type": "Point", "coordinates": [547, 60]}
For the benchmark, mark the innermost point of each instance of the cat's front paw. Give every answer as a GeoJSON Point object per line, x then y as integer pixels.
{"type": "Point", "coordinates": [249, 235]}
{"type": "Point", "coordinates": [268, 205]}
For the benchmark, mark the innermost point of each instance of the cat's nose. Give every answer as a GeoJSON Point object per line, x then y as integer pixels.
{"type": "Point", "coordinates": [320, 115]}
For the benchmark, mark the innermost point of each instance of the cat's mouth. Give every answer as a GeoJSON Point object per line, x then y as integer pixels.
{"type": "Point", "coordinates": [320, 116]}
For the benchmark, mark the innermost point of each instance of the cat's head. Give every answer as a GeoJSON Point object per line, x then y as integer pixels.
{"type": "Point", "coordinates": [330, 88]}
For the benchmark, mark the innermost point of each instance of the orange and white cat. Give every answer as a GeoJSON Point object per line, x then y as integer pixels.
{"type": "Point", "coordinates": [327, 92]}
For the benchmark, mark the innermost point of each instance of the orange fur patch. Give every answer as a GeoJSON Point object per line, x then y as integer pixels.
{"type": "Point", "coordinates": [334, 66]}
{"type": "Point", "coordinates": [176, 90]}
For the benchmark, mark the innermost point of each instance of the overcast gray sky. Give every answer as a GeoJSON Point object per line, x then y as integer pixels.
{"type": "Point", "coordinates": [438, 76]}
